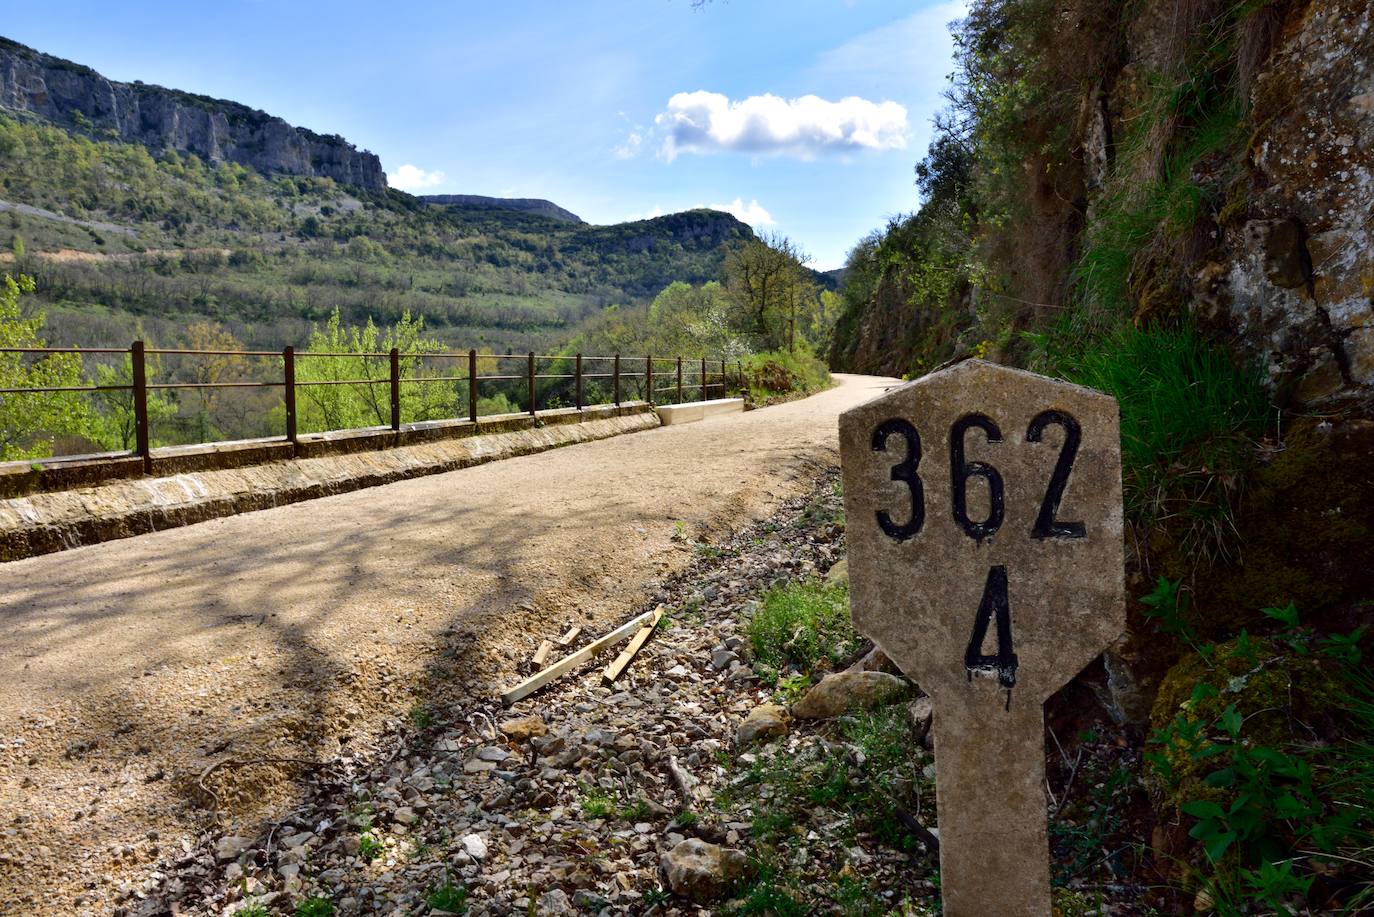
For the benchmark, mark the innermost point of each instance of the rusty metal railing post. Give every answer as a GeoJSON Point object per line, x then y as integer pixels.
{"type": "Point", "coordinates": [615, 383]}
{"type": "Point", "coordinates": [703, 378]}
{"type": "Point", "coordinates": [395, 389]}
{"type": "Point", "coordinates": [679, 380]}
{"type": "Point", "coordinates": [649, 380]}
{"type": "Point", "coordinates": [288, 363]}
{"type": "Point", "coordinates": [724, 381]}
{"type": "Point", "coordinates": [578, 373]}
{"type": "Point", "coordinates": [472, 386]}
{"type": "Point", "coordinates": [142, 442]}
{"type": "Point", "coordinates": [533, 409]}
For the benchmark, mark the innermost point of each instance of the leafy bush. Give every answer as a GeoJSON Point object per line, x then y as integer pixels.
{"type": "Point", "coordinates": [1263, 747]}
{"type": "Point", "coordinates": [805, 625]}
{"type": "Point", "coordinates": [778, 372]}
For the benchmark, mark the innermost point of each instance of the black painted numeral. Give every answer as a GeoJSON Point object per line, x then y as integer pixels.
{"type": "Point", "coordinates": [1046, 525]}
{"type": "Point", "coordinates": [995, 605]}
{"type": "Point", "coordinates": [960, 471]}
{"type": "Point", "coordinates": [904, 471]}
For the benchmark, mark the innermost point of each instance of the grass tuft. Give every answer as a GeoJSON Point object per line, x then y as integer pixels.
{"type": "Point", "coordinates": [805, 625]}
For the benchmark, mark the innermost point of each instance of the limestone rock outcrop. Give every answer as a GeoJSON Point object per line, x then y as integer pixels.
{"type": "Point", "coordinates": [75, 97]}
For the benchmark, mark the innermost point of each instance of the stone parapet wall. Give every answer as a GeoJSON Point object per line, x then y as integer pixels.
{"type": "Point", "coordinates": [41, 523]}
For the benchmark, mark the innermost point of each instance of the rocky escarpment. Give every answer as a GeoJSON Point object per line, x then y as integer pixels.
{"type": "Point", "coordinates": [76, 97]}
{"type": "Point", "coordinates": [523, 204]}
{"type": "Point", "coordinates": [1227, 179]}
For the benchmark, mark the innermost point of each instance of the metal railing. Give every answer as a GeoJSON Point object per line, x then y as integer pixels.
{"type": "Point", "coordinates": [639, 368]}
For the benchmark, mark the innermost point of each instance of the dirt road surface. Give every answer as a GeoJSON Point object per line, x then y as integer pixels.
{"type": "Point", "coordinates": [151, 685]}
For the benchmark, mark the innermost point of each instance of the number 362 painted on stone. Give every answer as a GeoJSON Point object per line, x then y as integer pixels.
{"type": "Point", "coordinates": [983, 509]}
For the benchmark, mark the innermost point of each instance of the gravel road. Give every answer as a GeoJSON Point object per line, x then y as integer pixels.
{"type": "Point", "coordinates": [150, 685]}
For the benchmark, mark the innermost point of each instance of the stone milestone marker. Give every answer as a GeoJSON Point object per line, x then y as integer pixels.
{"type": "Point", "coordinates": [983, 509]}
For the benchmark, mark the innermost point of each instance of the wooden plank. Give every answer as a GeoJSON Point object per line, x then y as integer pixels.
{"type": "Point", "coordinates": [542, 654]}
{"type": "Point", "coordinates": [571, 635]}
{"type": "Point", "coordinates": [615, 668]}
{"type": "Point", "coordinates": [572, 661]}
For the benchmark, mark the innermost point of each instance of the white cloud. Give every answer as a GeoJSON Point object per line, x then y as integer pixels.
{"type": "Point", "coordinates": [751, 213]}
{"type": "Point", "coordinates": [414, 178]}
{"type": "Point", "coordinates": [706, 122]}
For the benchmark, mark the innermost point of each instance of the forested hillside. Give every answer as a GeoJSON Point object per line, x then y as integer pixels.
{"type": "Point", "coordinates": [138, 239]}
{"type": "Point", "coordinates": [1169, 201]}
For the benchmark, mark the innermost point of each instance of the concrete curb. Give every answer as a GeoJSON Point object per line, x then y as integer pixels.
{"type": "Point", "coordinates": [47, 522]}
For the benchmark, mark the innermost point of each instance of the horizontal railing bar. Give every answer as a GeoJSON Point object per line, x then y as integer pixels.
{"type": "Point", "coordinates": [217, 353]}
{"type": "Point", "coordinates": [64, 350]}
{"type": "Point", "coordinates": [300, 383]}
{"type": "Point", "coordinates": [66, 388]}
{"type": "Point", "coordinates": [169, 385]}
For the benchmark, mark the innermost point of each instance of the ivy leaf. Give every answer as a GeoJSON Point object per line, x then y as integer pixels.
{"type": "Point", "coordinates": [1202, 808]}
{"type": "Point", "coordinates": [1287, 616]}
{"type": "Point", "coordinates": [1231, 721]}
{"type": "Point", "coordinates": [1224, 777]}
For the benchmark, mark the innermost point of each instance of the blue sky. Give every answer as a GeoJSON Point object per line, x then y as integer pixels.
{"type": "Point", "coordinates": [804, 117]}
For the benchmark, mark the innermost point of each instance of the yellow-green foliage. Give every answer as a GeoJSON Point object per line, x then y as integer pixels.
{"type": "Point", "coordinates": [28, 423]}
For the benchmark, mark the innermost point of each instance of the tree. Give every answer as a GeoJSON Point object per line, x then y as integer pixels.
{"type": "Point", "coordinates": [212, 369]}
{"type": "Point", "coordinates": [30, 423]}
{"type": "Point", "coordinates": [767, 283]}
{"type": "Point", "coordinates": [114, 424]}
{"type": "Point", "coordinates": [344, 407]}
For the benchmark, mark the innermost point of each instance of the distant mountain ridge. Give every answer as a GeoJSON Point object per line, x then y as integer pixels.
{"type": "Point", "coordinates": [522, 204]}
{"type": "Point", "coordinates": [76, 97]}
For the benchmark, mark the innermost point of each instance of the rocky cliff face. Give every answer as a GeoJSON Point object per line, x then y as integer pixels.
{"type": "Point", "coordinates": [1265, 238]}
{"type": "Point", "coordinates": [1296, 282]}
{"type": "Point", "coordinates": [522, 204]}
{"type": "Point", "coordinates": [1286, 267]}
{"type": "Point", "coordinates": [76, 97]}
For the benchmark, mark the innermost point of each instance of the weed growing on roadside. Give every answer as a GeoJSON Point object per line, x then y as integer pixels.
{"type": "Point", "coordinates": [805, 625]}
{"type": "Point", "coordinates": [369, 847]}
{"type": "Point", "coordinates": [790, 689]}
{"type": "Point", "coordinates": [636, 811]}
{"type": "Point", "coordinates": [1270, 814]}
{"type": "Point", "coordinates": [420, 715]}
{"type": "Point", "coordinates": [315, 906]}
{"type": "Point", "coordinates": [596, 803]}
{"type": "Point", "coordinates": [251, 910]}
{"type": "Point", "coordinates": [448, 897]}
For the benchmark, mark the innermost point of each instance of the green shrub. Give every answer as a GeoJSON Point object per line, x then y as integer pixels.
{"type": "Point", "coordinates": [778, 372]}
{"type": "Point", "coordinates": [803, 624]}
{"type": "Point", "coordinates": [1264, 748]}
